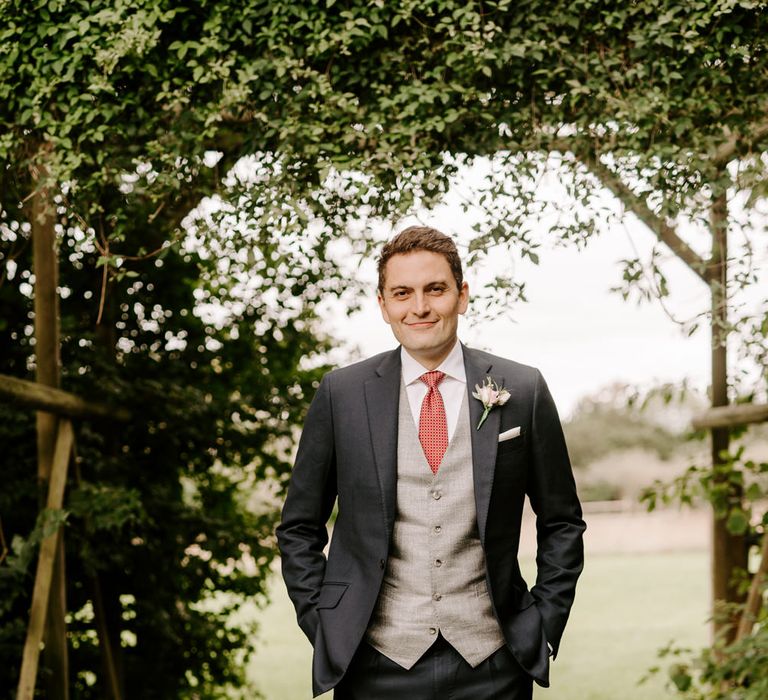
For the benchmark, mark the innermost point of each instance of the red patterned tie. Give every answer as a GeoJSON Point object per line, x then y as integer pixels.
{"type": "Point", "coordinates": [433, 428]}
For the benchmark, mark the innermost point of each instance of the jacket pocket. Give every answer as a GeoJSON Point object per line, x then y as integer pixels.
{"type": "Point", "coordinates": [514, 444]}
{"type": "Point", "coordinates": [330, 595]}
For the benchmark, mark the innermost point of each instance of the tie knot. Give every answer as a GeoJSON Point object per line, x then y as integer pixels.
{"type": "Point", "coordinates": [433, 378]}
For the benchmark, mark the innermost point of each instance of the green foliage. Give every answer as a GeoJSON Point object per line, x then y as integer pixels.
{"type": "Point", "coordinates": [23, 549]}
{"type": "Point", "coordinates": [737, 671]}
{"type": "Point", "coordinates": [734, 488]}
{"type": "Point", "coordinates": [126, 94]}
{"type": "Point", "coordinates": [171, 511]}
{"type": "Point", "coordinates": [161, 514]}
{"type": "Point", "coordinates": [129, 96]}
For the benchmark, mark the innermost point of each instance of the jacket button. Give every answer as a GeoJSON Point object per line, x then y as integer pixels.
{"type": "Point", "coordinates": [381, 563]}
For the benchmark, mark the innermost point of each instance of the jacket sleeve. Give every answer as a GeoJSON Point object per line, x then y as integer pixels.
{"type": "Point", "coordinates": [302, 533]}
{"type": "Point", "coordinates": [559, 525]}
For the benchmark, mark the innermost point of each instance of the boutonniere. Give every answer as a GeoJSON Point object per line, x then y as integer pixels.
{"type": "Point", "coordinates": [490, 394]}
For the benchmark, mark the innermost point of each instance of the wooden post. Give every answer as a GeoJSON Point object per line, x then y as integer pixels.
{"type": "Point", "coordinates": [729, 551]}
{"type": "Point", "coordinates": [48, 371]}
{"type": "Point", "coordinates": [45, 575]}
{"type": "Point", "coordinates": [730, 417]}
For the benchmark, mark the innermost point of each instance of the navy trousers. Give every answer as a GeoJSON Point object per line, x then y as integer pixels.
{"type": "Point", "coordinates": [441, 674]}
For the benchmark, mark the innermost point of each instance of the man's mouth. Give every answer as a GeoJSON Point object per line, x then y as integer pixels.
{"type": "Point", "coordinates": [421, 324]}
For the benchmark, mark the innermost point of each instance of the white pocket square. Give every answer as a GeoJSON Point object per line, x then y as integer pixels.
{"type": "Point", "coordinates": [509, 434]}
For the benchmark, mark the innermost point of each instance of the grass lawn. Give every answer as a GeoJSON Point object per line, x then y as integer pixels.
{"type": "Point", "coordinates": [627, 607]}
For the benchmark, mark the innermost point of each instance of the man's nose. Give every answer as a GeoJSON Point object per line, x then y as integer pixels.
{"type": "Point", "coordinates": [420, 304]}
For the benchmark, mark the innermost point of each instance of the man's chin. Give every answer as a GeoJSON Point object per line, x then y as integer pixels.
{"type": "Point", "coordinates": [420, 346]}
{"type": "Point", "coordinates": [427, 350]}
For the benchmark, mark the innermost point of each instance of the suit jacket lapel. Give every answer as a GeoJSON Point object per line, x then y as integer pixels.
{"type": "Point", "coordinates": [382, 396]}
{"type": "Point", "coordinates": [485, 440]}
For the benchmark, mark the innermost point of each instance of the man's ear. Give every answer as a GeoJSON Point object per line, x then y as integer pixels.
{"type": "Point", "coordinates": [383, 307]}
{"type": "Point", "coordinates": [463, 297]}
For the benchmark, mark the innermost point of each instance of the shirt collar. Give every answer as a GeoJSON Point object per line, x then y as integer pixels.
{"type": "Point", "coordinates": [452, 366]}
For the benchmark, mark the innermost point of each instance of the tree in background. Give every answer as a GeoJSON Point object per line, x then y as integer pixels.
{"type": "Point", "coordinates": [166, 510]}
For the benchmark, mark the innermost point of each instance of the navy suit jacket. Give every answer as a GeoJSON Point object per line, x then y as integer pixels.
{"type": "Point", "coordinates": [348, 451]}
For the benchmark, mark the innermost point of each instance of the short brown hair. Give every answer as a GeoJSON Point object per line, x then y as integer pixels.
{"type": "Point", "coordinates": [421, 238]}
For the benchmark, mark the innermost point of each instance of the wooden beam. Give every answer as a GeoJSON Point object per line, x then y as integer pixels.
{"type": "Point", "coordinates": [45, 398]}
{"type": "Point", "coordinates": [731, 416]}
{"type": "Point", "coordinates": [45, 565]}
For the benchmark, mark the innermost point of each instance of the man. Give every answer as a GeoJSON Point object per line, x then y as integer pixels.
{"type": "Point", "coordinates": [420, 595]}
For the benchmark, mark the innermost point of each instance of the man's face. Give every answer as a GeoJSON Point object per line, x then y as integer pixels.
{"type": "Point", "coordinates": [422, 303]}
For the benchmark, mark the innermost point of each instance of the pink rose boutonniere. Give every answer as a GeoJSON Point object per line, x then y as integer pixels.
{"type": "Point", "coordinates": [490, 394]}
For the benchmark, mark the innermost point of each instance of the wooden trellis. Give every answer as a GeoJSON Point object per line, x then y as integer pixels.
{"type": "Point", "coordinates": [64, 406]}
{"type": "Point", "coordinates": [731, 417]}
{"type": "Point", "coordinates": [55, 444]}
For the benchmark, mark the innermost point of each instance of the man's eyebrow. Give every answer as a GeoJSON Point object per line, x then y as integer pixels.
{"type": "Point", "coordinates": [431, 283]}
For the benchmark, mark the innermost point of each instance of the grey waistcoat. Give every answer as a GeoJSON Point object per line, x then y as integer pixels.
{"type": "Point", "coordinates": [435, 576]}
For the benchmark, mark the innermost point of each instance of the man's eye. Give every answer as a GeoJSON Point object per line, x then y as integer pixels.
{"type": "Point", "coordinates": [436, 290]}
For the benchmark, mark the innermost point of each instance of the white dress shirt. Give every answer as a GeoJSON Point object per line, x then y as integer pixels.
{"type": "Point", "coordinates": [452, 388]}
